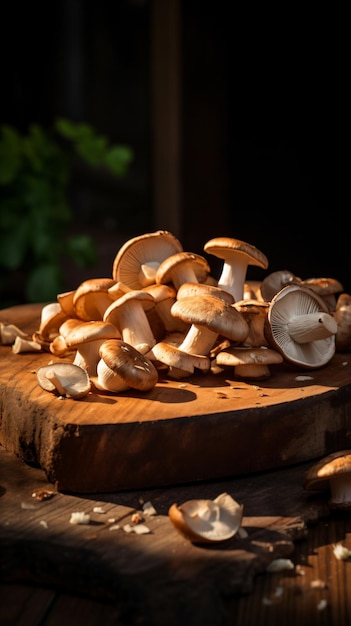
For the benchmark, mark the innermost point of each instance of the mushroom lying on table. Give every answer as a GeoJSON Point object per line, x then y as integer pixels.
{"type": "Point", "coordinates": [249, 361]}
{"type": "Point", "coordinates": [65, 379]}
{"type": "Point", "coordinates": [333, 473]}
{"type": "Point", "coordinates": [207, 521]}
{"type": "Point", "coordinates": [122, 367]}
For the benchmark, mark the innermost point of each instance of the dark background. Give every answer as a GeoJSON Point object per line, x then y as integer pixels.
{"type": "Point", "coordinates": [265, 149]}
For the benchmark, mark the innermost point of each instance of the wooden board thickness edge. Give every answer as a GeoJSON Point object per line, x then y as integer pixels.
{"type": "Point", "coordinates": [205, 427]}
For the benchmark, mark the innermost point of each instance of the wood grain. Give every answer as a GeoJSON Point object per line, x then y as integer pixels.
{"type": "Point", "coordinates": [205, 427]}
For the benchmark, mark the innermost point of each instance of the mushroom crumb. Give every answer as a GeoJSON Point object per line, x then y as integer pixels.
{"type": "Point", "coordinates": [341, 552]}
{"type": "Point", "coordinates": [80, 518]}
{"type": "Point", "coordinates": [279, 565]}
{"type": "Point", "coordinates": [138, 529]}
{"type": "Point", "coordinates": [149, 509]}
{"type": "Point", "coordinates": [43, 494]}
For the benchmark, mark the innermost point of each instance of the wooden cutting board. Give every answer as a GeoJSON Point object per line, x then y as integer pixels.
{"type": "Point", "coordinates": [204, 427]}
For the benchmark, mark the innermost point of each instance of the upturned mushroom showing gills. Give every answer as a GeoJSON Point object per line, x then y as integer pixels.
{"type": "Point", "coordinates": [300, 327]}
{"type": "Point", "coordinates": [333, 473]}
{"type": "Point", "coordinates": [64, 379]}
{"type": "Point", "coordinates": [136, 262]}
{"type": "Point", "coordinates": [237, 256]}
{"type": "Point", "coordinates": [207, 521]}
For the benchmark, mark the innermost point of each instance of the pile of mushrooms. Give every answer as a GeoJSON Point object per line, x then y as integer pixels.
{"type": "Point", "coordinates": [162, 310]}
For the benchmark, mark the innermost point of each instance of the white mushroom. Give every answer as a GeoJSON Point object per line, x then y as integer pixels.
{"type": "Point", "coordinates": [236, 255]}
{"type": "Point", "coordinates": [207, 521]}
{"type": "Point", "coordinates": [65, 379]}
{"type": "Point", "coordinates": [136, 262]}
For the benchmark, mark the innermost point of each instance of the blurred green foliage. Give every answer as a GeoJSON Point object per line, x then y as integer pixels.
{"type": "Point", "coordinates": [35, 213]}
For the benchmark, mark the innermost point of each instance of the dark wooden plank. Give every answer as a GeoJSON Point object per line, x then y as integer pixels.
{"type": "Point", "coordinates": [197, 429]}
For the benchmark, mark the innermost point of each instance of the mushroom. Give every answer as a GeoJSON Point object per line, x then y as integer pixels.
{"type": "Point", "coordinates": [65, 379]}
{"type": "Point", "coordinates": [275, 281]}
{"type": "Point", "coordinates": [299, 326]}
{"type": "Point", "coordinates": [249, 362]}
{"type": "Point", "coordinates": [207, 521]}
{"type": "Point", "coordinates": [65, 299]}
{"type": "Point", "coordinates": [326, 288]}
{"type": "Point", "coordinates": [92, 297]}
{"type": "Point", "coordinates": [86, 338]}
{"type": "Point", "coordinates": [128, 314]}
{"type": "Point", "coordinates": [209, 316]}
{"type": "Point", "coordinates": [255, 313]}
{"type": "Point", "coordinates": [182, 267]}
{"type": "Point", "coordinates": [122, 367]}
{"type": "Point", "coordinates": [137, 260]}
{"type": "Point", "coordinates": [25, 345]}
{"type": "Point", "coordinates": [9, 332]}
{"type": "Point", "coordinates": [332, 472]}
{"type": "Point", "coordinates": [342, 316]}
{"type": "Point", "coordinates": [203, 289]}
{"type": "Point", "coordinates": [237, 255]}
{"type": "Point", "coordinates": [180, 364]}
{"type": "Point", "coordinates": [165, 296]}
{"type": "Point", "coordinates": [51, 317]}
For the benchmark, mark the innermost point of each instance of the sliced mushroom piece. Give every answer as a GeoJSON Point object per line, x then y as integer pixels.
{"type": "Point", "coordinates": [332, 472]}
{"type": "Point", "coordinates": [209, 316]}
{"type": "Point", "coordinates": [342, 316]}
{"type": "Point", "coordinates": [64, 379]}
{"type": "Point", "coordinates": [300, 327]}
{"type": "Point", "coordinates": [182, 267]}
{"type": "Point", "coordinates": [122, 367]}
{"type": "Point", "coordinates": [207, 521]}
{"type": "Point", "coordinates": [25, 345]}
{"type": "Point", "coordinates": [128, 314]}
{"type": "Point", "coordinates": [249, 362]}
{"type": "Point", "coordinates": [137, 260]}
{"type": "Point", "coordinates": [237, 255]}
{"type": "Point", "coordinates": [9, 332]}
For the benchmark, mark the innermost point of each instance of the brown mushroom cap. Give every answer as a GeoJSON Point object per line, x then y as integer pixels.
{"type": "Point", "coordinates": [135, 369]}
{"type": "Point", "coordinates": [181, 364]}
{"type": "Point", "coordinates": [203, 289]}
{"type": "Point", "coordinates": [137, 260]}
{"type": "Point", "coordinates": [249, 362]}
{"type": "Point", "coordinates": [86, 338]}
{"type": "Point", "coordinates": [333, 472]}
{"type": "Point", "coordinates": [65, 379]}
{"type": "Point", "coordinates": [182, 267]}
{"type": "Point", "coordinates": [237, 255]}
{"type": "Point", "coordinates": [207, 521]}
{"type": "Point", "coordinates": [91, 298]}
{"type": "Point", "coordinates": [275, 281]}
{"type": "Point", "coordinates": [342, 316]}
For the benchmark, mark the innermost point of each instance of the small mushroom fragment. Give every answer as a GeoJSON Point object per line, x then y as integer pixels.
{"type": "Point", "coordinates": [137, 260]}
{"type": "Point", "coordinates": [64, 379]}
{"type": "Point", "coordinates": [25, 345]}
{"type": "Point", "coordinates": [182, 267]}
{"type": "Point", "coordinates": [342, 316]}
{"type": "Point", "coordinates": [237, 256]}
{"type": "Point", "coordinates": [249, 362]}
{"type": "Point", "coordinates": [300, 327]}
{"type": "Point", "coordinates": [122, 367]}
{"type": "Point", "coordinates": [9, 332]}
{"type": "Point", "coordinates": [207, 521]}
{"type": "Point", "coordinates": [332, 472]}
{"type": "Point", "coordinates": [255, 313]}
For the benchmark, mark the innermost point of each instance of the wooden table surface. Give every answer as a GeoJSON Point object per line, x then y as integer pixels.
{"type": "Point", "coordinates": [54, 572]}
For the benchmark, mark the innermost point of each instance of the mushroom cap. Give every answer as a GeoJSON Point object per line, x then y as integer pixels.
{"type": "Point", "coordinates": [147, 249]}
{"type": "Point", "coordinates": [227, 247]}
{"type": "Point", "coordinates": [275, 281]}
{"type": "Point", "coordinates": [137, 370]}
{"type": "Point", "coordinates": [61, 377]}
{"type": "Point", "coordinates": [91, 298]}
{"type": "Point", "coordinates": [213, 313]}
{"type": "Point", "coordinates": [85, 332]}
{"type": "Point", "coordinates": [290, 302]}
{"type": "Point", "coordinates": [342, 316]}
{"type": "Point", "coordinates": [176, 261]}
{"type": "Point", "coordinates": [250, 355]}
{"type": "Point", "coordinates": [145, 299]}
{"type": "Point", "coordinates": [330, 466]}
{"type": "Point", "coordinates": [203, 289]}
{"type": "Point", "coordinates": [181, 364]}
{"type": "Point", "coordinates": [207, 521]}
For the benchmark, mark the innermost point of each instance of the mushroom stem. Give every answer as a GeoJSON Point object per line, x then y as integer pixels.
{"type": "Point", "coordinates": [311, 327]}
{"type": "Point", "coordinates": [198, 340]}
{"type": "Point", "coordinates": [340, 489]}
{"type": "Point", "coordinates": [233, 277]}
{"type": "Point", "coordinates": [56, 380]}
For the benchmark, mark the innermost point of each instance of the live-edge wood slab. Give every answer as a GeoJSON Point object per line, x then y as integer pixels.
{"type": "Point", "coordinates": [203, 427]}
